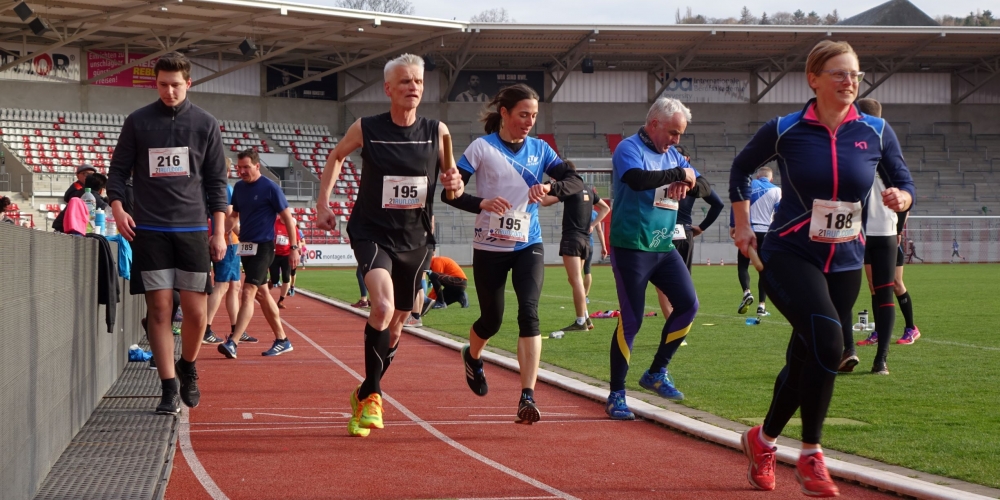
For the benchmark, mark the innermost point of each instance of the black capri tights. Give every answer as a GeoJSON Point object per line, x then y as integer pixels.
{"type": "Point", "coordinates": [490, 270]}
{"type": "Point", "coordinates": [819, 308]}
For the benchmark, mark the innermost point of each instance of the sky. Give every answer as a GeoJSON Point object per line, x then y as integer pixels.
{"type": "Point", "coordinates": [645, 11]}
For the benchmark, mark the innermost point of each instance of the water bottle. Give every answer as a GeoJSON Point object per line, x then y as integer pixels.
{"type": "Point", "coordinates": [91, 202]}
{"type": "Point", "coordinates": [99, 223]}
{"type": "Point", "coordinates": [753, 321]}
{"type": "Point", "coordinates": [112, 228]}
{"type": "Point", "coordinates": [863, 319]}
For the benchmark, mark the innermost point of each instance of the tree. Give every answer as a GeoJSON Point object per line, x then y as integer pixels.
{"type": "Point", "coordinates": [782, 18]}
{"type": "Point", "coordinates": [799, 17]}
{"type": "Point", "coordinates": [746, 17]}
{"type": "Point", "coordinates": [764, 19]}
{"type": "Point", "coordinates": [404, 7]}
{"type": "Point", "coordinates": [833, 17]}
{"type": "Point", "coordinates": [497, 15]}
{"type": "Point", "coordinates": [690, 18]}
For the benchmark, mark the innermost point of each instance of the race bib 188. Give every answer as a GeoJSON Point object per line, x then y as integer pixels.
{"type": "Point", "coordinates": [402, 192]}
{"type": "Point", "coordinates": [169, 162]}
{"type": "Point", "coordinates": [835, 221]}
{"type": "Point", "coordinates": [513, 225]}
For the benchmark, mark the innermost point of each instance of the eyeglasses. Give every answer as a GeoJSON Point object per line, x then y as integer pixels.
{"type": "Point", "coordinates": [840, 75]}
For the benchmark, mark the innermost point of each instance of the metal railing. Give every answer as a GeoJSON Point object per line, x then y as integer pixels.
{"type": "Point", "coordinates": [300, 190]}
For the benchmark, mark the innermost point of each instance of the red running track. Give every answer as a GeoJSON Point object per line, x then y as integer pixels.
{"type": "Point", "coordinates": [277, 428]}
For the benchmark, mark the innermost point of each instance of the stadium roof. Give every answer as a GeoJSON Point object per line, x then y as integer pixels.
{"type": "Point", "coordinates": [892, 13]}
{"type": "Point", "coordinates": [336, 40]}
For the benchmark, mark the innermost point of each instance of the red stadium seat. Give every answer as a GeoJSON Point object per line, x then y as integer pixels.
{"type": "Point", "coordinates": [551, 139]}
{"type": "Point", "coordinates": [613, 141]}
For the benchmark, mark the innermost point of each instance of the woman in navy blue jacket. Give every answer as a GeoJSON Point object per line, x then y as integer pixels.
{"type": "Point", "coordinates": [813, 253]}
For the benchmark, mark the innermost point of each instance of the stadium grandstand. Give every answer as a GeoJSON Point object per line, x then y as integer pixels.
{"type": "Point", "coordinates": [288, 79]}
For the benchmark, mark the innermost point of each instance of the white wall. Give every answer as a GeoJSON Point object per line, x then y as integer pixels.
{"type": "Point", "coordinates": [602, 86]}
{"type": "Point", "coordinates": [245, 81]}
{"type": "Point", "coordinates": [901, 88]}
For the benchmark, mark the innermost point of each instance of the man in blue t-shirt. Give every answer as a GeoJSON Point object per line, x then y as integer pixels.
{"type": "Point", "coordinates": [650, 177]}
{"type": "Point", "coordinates": [257, 200]}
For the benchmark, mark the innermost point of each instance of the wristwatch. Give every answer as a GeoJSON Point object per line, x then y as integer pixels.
{"type": "Point", "coordinates": [295, 247]}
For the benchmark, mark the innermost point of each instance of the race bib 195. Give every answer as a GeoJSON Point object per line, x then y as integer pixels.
{"type": "Point", "coordinates": [169, 162]}
{"type": "Point", "coordinates": [402, 192]}
{"type": "Point", "coordinates": [513, 225]}
{"type": "Point", "coordinates": [835, 221]}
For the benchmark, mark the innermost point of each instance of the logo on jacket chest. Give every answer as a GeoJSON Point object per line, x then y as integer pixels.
{"type": "Point", "coordinates": [534, 160]}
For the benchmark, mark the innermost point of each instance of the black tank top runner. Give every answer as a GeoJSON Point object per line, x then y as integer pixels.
{"type": "Point", "coordinates": [389, 149]}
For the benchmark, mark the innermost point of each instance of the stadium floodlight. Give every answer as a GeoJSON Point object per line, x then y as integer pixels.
{"type": "Point", "coordinates": [588, 65]}
{"type": "Point", "coordinates": [23, 11]}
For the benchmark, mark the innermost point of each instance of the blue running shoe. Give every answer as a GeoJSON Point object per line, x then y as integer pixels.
{"type": "Point", "coordinates": [228, 348]}
{"type": "Point", "coordinates": [662, 384]}
{"type": "Point", "coordinates": [616, 407]}
{"type": "Point", "coordinates": [291, 291]}
{"type": "Point", "coordinates": [278, 348]}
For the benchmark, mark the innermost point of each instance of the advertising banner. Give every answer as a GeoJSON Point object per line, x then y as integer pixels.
{"type": "Point", "coordinates": [137, 77]}
{"type": "Point", "coordinates": [481, 85]}
{"type": "Point", "coordinates": [279, 75]}
{"type": "Point", "coordinates": [59, 65]}
{"type": "Point", "coordinates": [329, 255]}
{"type": "Point", "coordinates": [707, 87]}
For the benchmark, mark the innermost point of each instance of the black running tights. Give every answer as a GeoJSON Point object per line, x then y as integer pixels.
{"type": "Point", "coordinates": [818, 306]}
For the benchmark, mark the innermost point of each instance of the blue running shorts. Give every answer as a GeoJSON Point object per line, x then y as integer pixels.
{"type": "Point", "coordinates": [227, 269]}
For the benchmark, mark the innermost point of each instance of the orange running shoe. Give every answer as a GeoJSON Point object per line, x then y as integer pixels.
{"type": "Point", "coordinates": [354, 423]}
{"type": "Point", "coordinates": [370, 412]}
{"type": "Point", "coordinates": [761, 471]}
{"type": "Point", "coordinates": [813, 477]}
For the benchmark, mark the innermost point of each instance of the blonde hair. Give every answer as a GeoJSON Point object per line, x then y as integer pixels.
{"type": "Point", "coordinates": [823, 52]}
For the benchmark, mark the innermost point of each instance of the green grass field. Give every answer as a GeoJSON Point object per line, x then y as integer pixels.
{"type": "Point", "coordinates": [937, 412]}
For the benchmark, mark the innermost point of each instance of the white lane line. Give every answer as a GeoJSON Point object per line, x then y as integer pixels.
{"type": "Point", "coordinates": [278, 426]}
{"type": "Point", "coordinates": [199, 471]}
{"type": "Point", "coordinates": [248, 416]}
{"type": "Point", "coordinates": [509, 498]}
{"type": "Point", "coordinates": [959, 344]}
{"type": "Point", "coordinates": [434, 432]}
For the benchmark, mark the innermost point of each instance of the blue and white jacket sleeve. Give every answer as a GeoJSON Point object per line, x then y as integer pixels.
{"type": "Point", "coordinates": [757, 153]}
{"type": "Point", "coordinates": [893, 167]}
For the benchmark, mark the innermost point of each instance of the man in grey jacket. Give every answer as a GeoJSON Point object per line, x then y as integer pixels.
{"type": "Point", "coordinates": [173, 151]}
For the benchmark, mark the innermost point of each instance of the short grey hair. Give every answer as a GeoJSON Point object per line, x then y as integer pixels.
{"type": "Point", "coordinates": [665, 107]}
{"type": "Point", "coordinates": [403, 60]}
{"type": "Point", "coordinates": [763, 172]}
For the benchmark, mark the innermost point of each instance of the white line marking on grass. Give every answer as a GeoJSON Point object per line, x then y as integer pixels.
{"type": "Point", "coordinates": [192, 460]}
{"type": "Point", "coordinates": [959, 344]}
{"type": "Point", "coordinates": [433, 431]}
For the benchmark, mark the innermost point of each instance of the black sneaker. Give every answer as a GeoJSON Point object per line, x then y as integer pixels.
{"type": "Point", "coordinates": [476, 377]}
{"type": "Point", "coordinates": [879, 367]}
{"type": "Point", "coordinates": [228, 349]}
{"type": "Point", "coordinates": [527, 412]}
{"type": "Point", "coordinates": [152, 363]}
{"type": "Point", "coordinates": [428, 304]}
{"type": "Point", "coordinates": [248, 339]}
{"type": "Point", "coordinates": [210, 338]}
{"type": "Point", "coordinates": [746, 303]}
{"type": "Point", "coordinates": [170, 403]}
{"type": "Point", "coordinates": [189, 383]}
